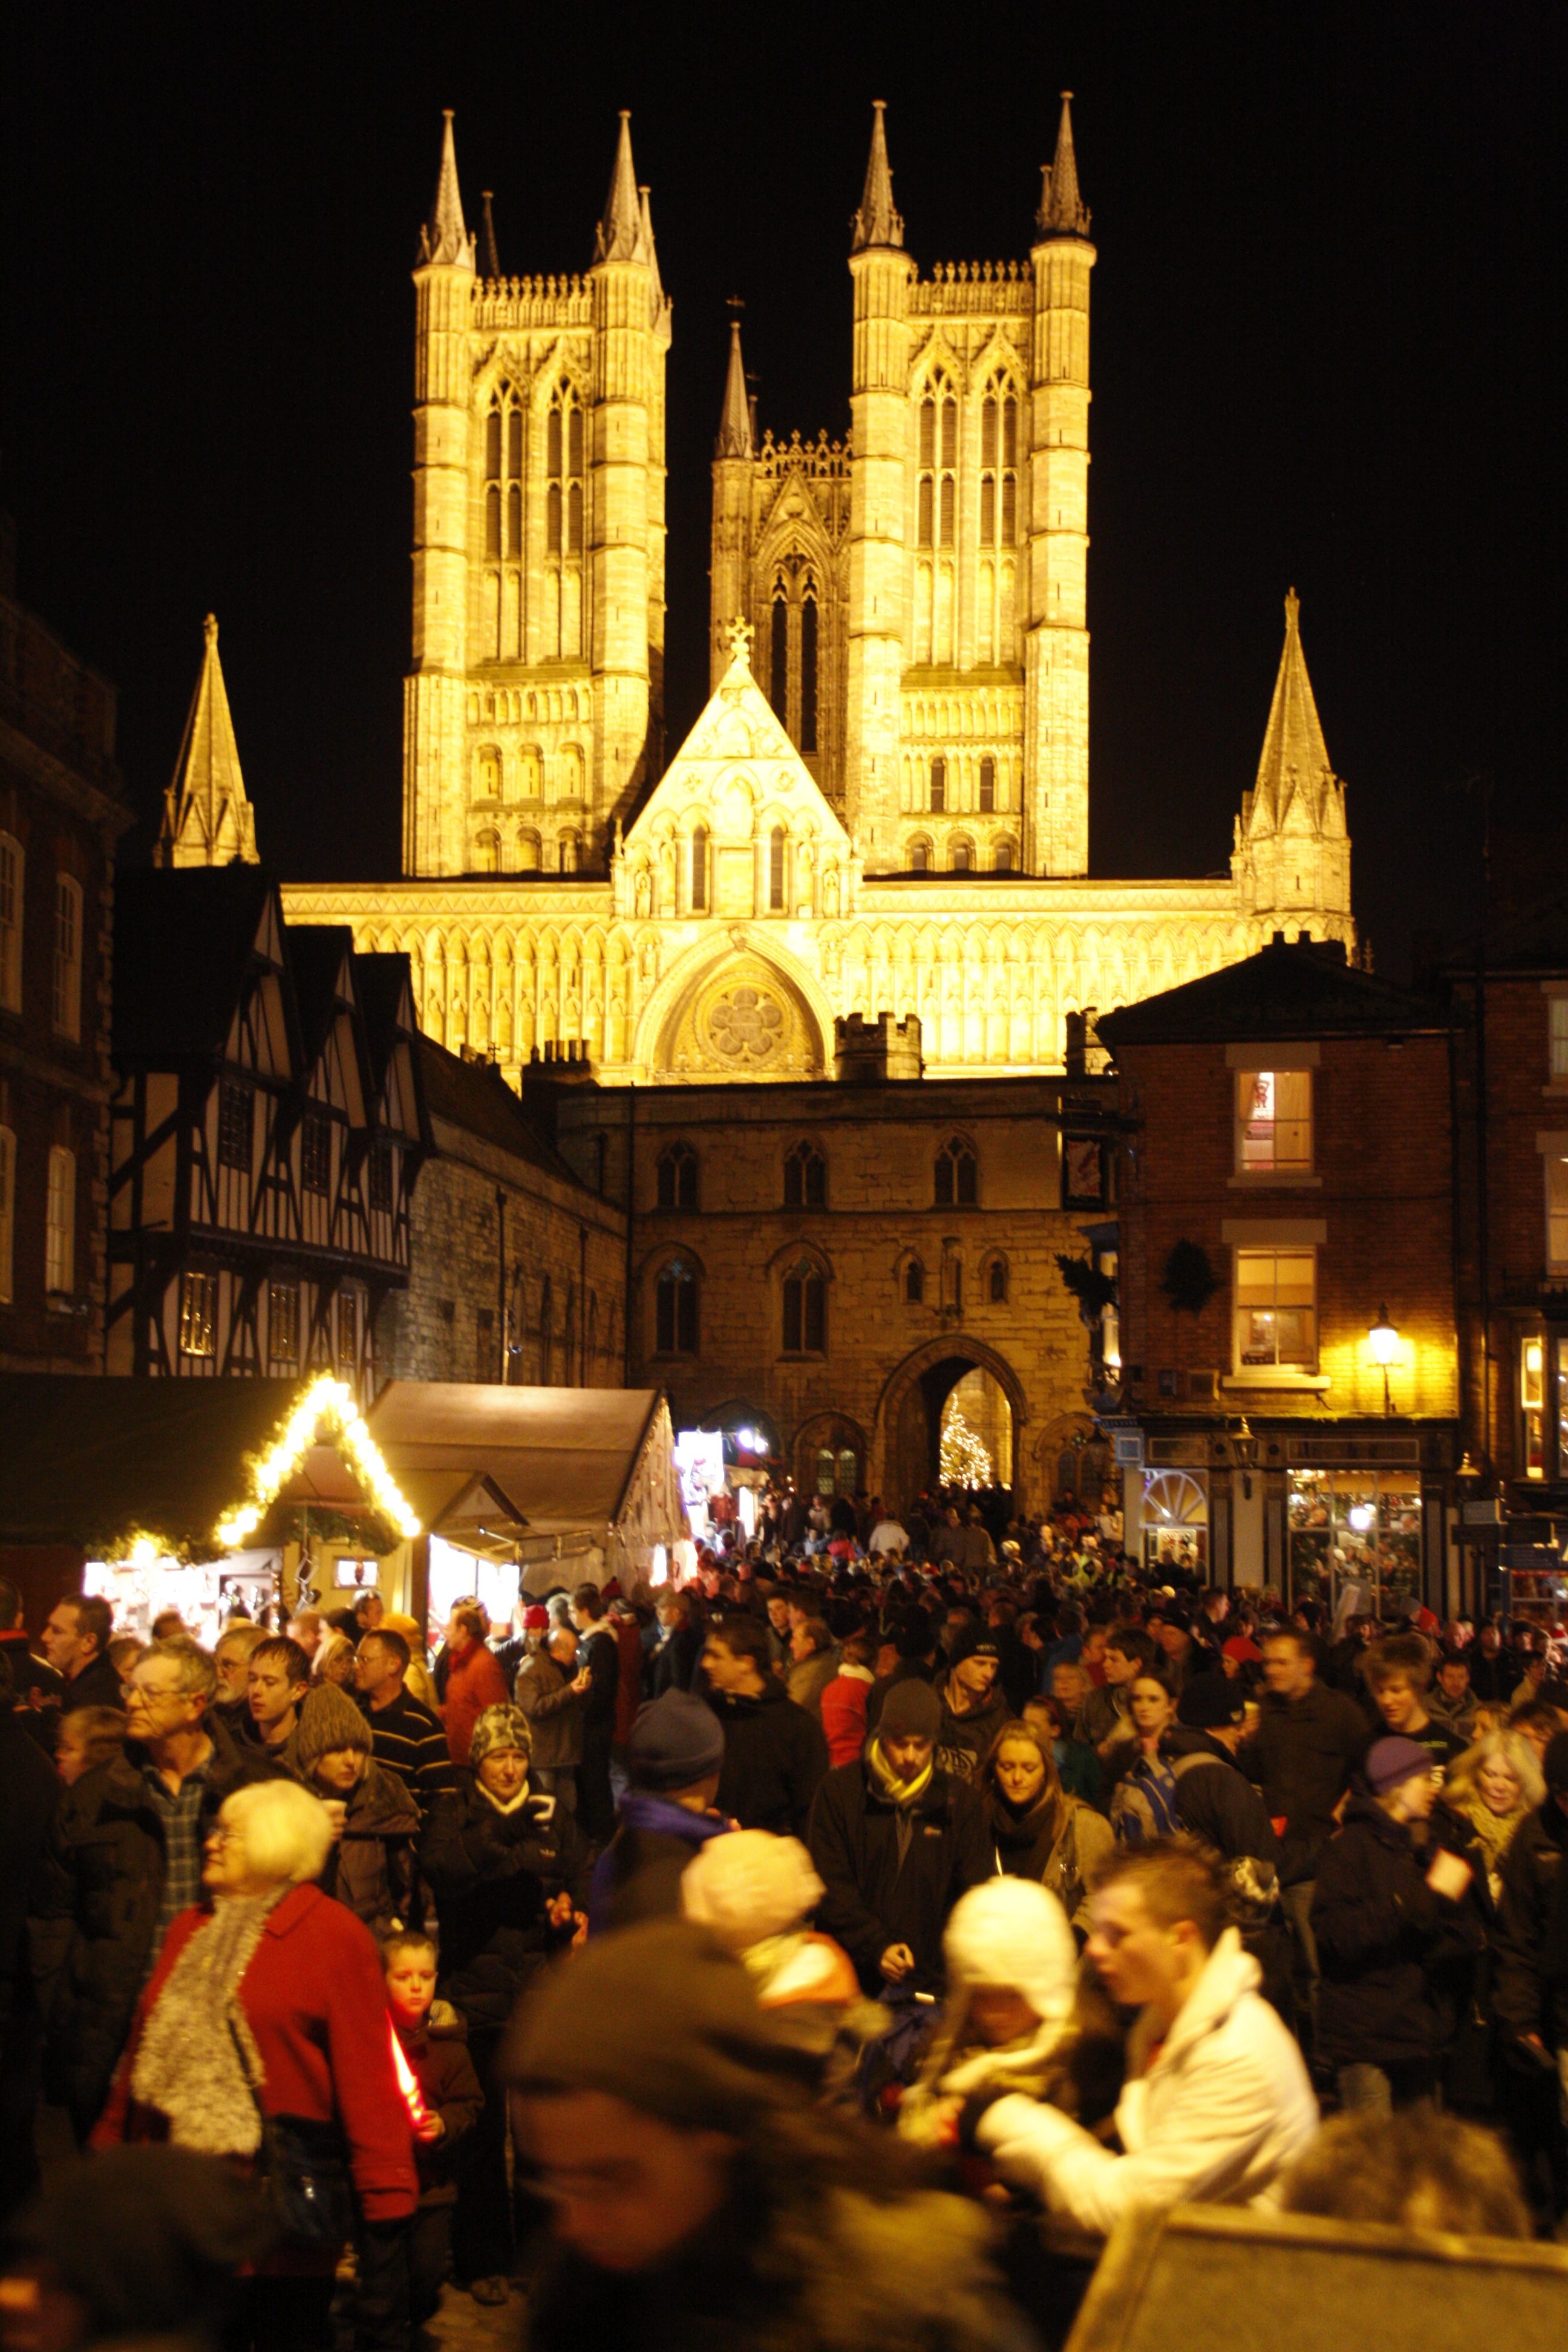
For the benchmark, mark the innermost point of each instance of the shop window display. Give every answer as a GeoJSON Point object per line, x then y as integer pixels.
{"type": "Point", "coordinates": [1355, 1539]}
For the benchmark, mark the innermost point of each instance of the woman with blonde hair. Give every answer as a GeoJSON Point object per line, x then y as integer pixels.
{"type": "Point", "coordinates": [1036, 1830]}
{"type": "Point", "coordinates": [334, 1663]}
{"type": "Point", "coordinates": [1487, 1792]}
{"type": "Point", "coordinates": [1492, 1786]}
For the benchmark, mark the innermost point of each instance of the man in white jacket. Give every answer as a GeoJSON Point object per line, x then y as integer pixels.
{"type": "Point", "coordinates": [1216, 2106]}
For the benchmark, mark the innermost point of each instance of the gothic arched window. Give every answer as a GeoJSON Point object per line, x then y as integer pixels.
{"type": "Point", "coordinates": [778, 655]}
{"type": "Point", "coordinates": [805, 1310]}
{"type": "Point", "coordinates": [915, 1282]}
{"type": "Point", "coordinates": [939, 784]}
{"type": "Point", "coordinates": [957, 1175]}
{"type": "Point", "coordinates": [776, 870]}
{"type": "Point", "coordinates": [987, 786]}
{"type": "Point", "coordinates": [920, 857]}
{"type": "Point", "coordinates": [806, 1178]}
{"type": "Point", "coordinates": [675, 1317]}
{"type": "Point", "coordinates": [677, 1171]}
{"type": "Point", "coordinates": [996, 1282]}
{"type": "Point", "coordinates": [700, 871]}
{"type": "Point", "coordinates": [808, 671]}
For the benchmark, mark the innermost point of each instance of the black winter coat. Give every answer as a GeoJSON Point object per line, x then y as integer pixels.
{"type": "Point", "coordinates": [1216, 1803]}
{"type": "Point", "coordinates": [32, 1788]}
{"type": "Point", "coordinates": [1391, 1952]}
{"type": "Point", "coordinates": [1529, 1987]}
{"type": "Point", "coordinates": [95, 1910]}
{"type": "Point", "coordinates": [492, 1874]}
{"type": "Point", "coordinates": [775, 1758]}
{"type": "Point", "coordinates": [672, 1664]}
{"type": "Point", "coordinates": [963, 1741]}
{"type": "Point", "coordinates": [873, 1900]}
{"type": "Point", "coordinates": [1301, 1756]}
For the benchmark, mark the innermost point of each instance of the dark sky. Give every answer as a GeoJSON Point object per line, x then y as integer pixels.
{"type": "Point", "coordinates": [1327, 350]}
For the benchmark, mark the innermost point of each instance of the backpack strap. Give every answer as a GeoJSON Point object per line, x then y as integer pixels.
{"type": "Point", "coordinates": [1180, 1764]}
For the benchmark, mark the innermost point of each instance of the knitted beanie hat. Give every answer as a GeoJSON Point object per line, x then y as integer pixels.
{"type": "Point", "coordinates": [1390, 1761]}
{"type": "Point", "coordinates": [500, 1725]}
{"type": "Point", "coordinates": [660, 2016]}
{"type": "Point", "coordinates": [911, 1710]}
{"type": "Point", "coordinates": [675, 1742]}
{"type": "Point", "coordinates": [329, 1720]}
{"type": "Point", "coordinates": [748, 1886]}
{"type": "Point", "coordinates": [536, 1618]}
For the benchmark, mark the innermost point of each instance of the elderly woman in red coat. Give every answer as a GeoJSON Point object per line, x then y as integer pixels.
{"type": "Point", "coordinates": [269, 1998]}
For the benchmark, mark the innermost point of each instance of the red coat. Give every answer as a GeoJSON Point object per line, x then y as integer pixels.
{"type": "Point", "coordinates": [317, 2005]}
{"type": "Point", "coordinates": [473, 1683]}
{"type": "Point", "coordinates": [844, 1716]}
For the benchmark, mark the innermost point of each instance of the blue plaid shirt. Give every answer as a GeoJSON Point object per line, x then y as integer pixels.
{"type": "Point", "coordinates": [182, 1818]}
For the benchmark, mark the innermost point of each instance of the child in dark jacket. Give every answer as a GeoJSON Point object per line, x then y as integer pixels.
{"type": "Point", "coordinates": [433, 2040]}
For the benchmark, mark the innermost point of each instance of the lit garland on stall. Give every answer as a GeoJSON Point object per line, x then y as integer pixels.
{"type": "Point", "coordinates": [331, 1400]}
{"type": "Point", "coordinates": [964, 1460]}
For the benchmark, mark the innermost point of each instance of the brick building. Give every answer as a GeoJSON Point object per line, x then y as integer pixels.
{"type": "Point", "coordinates": [1285, 1223]}
{"type": "Point", "coordinates": [511, 1249]}
{"type": "Point", "coordinates": [1509, 989]}
{"type": "Point", "coordinates": [829, 1262]}
{"type": "Point", "coordinates": [61, 814]}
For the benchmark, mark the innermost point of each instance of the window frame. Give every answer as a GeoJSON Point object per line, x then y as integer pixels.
{"type": "Point", "coordinates": [677, 1326]}
{"type": "Point", "coordinates": [59, 1231]}
{"type": "Point", "coordinates": [803, 1300]}
{"type": "Point", "coordinates": [1244, 1362]}
{"type": "Point", "coordinates": [316, 1129]}
{"type": "Point", "coordinates": [1250, 1159]}
{"type": "Point", "coordinates": [282, 1292]}
{"type": "Point", "coordinates": [679, 1159]}
{"type": "Point", "coordinates": [65, 1003]}
{"type": "Point", "coordinates": [962, 1162]}
{"type": "Point", "coordinates": [236, 1103]}
{"type": "Point", "coordinates": [13, 913]}
{"type": "Point", "coordinates": [197, 1338]}
{"type": "Point", "coordinates": [914, 1282]}
{"type": "Point", "coordinates": [1555, 1178]}
{"type": "Point", "coordinates": [806, 1172]}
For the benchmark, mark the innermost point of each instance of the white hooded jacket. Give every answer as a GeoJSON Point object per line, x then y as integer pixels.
{"type": "Point", "coordinates": [1221, 2114]}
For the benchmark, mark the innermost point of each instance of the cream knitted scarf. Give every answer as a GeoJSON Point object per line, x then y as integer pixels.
{"type": "Point", "coordinates": [187, 2065]}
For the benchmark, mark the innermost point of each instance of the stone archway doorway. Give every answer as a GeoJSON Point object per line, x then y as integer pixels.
{"type": "Point", "coordinates": [917, 1399]}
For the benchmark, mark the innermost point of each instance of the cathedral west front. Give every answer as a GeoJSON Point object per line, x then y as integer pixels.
{"type": "Point", "coordinates": [861, 880]}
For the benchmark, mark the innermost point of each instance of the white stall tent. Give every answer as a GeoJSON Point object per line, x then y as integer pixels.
{"type": "Point", "coordinates": [589, 1472]}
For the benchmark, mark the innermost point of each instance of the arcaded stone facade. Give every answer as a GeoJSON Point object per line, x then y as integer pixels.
{"type": "Point", "coordinates": [885, 807]}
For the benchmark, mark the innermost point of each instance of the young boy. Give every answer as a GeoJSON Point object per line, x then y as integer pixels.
{"type": "Point", "coordinates": [434, 2040]}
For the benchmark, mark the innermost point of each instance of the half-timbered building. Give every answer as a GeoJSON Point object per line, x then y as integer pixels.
{"type": "Point", "coordinates": [267, 1128]}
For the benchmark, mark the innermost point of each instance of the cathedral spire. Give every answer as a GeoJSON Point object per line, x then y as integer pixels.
{"type": "Point", "coordinates": [207, 820]}
{"type": "Point", "coordinates": [1062, 209]}
{"type": "Point", "coordinates": [492, 257]}
{"type": "Point", "coordinates": [444, 237]}
{"type": "Point", "coordinates": [877, 223]}
{"type": "Point", "coordinates": [620, 235]}
{"type": "Point", "coordinates": [1295, 756]}
{"type": "Point", "coordinates": [735, 422]}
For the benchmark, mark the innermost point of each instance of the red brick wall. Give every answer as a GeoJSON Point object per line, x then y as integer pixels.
{"type": "Point", "coordinates": [1381, 1117]}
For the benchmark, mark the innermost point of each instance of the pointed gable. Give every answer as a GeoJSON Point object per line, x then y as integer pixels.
{"type": "Point", "coordinates": [207, 820]}
{"type": "Point", "coordinates": [737, 775]}
{"type": "Point", "coordinates": [1294, 768]}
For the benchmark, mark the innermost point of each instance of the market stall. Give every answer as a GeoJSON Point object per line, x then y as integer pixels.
{"type": "Point", "coordinates": [590, 1472]}
{"type": "Point", "coordinates": [189, 1494]}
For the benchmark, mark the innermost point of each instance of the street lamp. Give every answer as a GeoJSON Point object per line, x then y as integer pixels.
{"type": "Point", "coordinates": [1384, 1341]}
{"type": "Point", "coordinates": [1243, 1448]}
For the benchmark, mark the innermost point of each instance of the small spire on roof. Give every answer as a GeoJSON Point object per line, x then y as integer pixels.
{"type": "Point", "coordinates": [735, 419]}
{"type": "Point", "coordinates": [1295, 754]}
{"type": "Point", "coordinates": [492, 258]}
{"type": "Point", "coordinates": [1062, 208]}
{"type": "Point", "coordinates": [619, 235]}
{"type": "Point", "coordinates": [207, 820]}
{"type": "Point", "coordinates": [877, 223]}
{"type": "Point", "coordinates": [445, 237]}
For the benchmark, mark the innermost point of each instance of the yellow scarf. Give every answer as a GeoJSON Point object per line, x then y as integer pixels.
{"type": "Point", "coordinates": [902, 1793]}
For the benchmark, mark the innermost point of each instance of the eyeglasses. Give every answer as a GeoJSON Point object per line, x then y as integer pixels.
{"type": "Point", "coordinates": [218, 1836]}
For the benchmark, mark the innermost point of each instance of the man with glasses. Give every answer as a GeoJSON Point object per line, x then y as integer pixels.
{"type": "Point", "coordinates": [124, 1858]}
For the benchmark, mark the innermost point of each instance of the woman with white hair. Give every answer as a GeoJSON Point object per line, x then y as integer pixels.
{"type": "Point", "coordinates": [262, 2037]}
{"type": "Point", "coordinates": [1487, 1792]}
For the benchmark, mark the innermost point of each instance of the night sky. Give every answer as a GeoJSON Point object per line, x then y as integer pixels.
{"type": "Point", "coordinates": [1327, 350]}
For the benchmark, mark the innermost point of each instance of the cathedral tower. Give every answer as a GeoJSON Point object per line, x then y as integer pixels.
{"type": "Point", "coordinates": [533, 709]}
{"type": "Point", "coordinates": [1056, 639]}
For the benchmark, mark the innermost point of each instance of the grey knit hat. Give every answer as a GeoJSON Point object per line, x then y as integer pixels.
{"type": "Point", "coordinates": [329, 1720]}
{"type": "Point", "coordinates": [500, 1726]}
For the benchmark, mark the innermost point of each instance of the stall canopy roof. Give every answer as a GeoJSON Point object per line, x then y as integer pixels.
{"type": "Point", "coordinates": [564, 1457]}
{"type": "Point", "coordinates": [86, 1461]}
{"type": "Point", "coordinates": [473, 1512]}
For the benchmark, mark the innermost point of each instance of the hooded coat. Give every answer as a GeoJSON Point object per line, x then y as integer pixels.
{"type": "Point", "coordinates": [370, 1868]}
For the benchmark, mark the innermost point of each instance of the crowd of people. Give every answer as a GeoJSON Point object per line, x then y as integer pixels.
{"type": "Point", "coordinates": [812, 1937]}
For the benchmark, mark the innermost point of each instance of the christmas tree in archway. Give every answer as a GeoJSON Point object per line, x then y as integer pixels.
{"type": "Point", "coordinates": [964, 1461]}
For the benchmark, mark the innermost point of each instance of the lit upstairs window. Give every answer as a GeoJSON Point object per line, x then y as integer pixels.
{"type": "Point", "coordinates": [1556, 1211]}
{"type": "Point", "coordinates": [1273, 1121]}
{"type": "Point", "coordinates": [1277, 1310]}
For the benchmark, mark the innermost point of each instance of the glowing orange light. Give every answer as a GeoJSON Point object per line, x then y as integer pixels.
{"type": "Point", "coordinates": [406, 2079]}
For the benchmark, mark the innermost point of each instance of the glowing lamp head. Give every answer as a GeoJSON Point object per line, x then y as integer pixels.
{"type": "Point", "coordinates": [1383, 1340]}
{"type": "Point", "coordinates": [143, 1552]}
